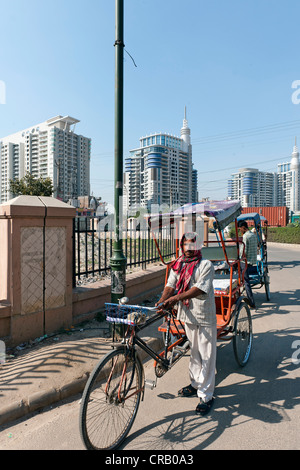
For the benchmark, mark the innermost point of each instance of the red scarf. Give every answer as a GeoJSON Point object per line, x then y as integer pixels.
{"type": "Point", "coordinates": [185, 267]}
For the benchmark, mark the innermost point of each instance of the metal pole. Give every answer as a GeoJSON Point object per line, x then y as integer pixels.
{"type": "Point", "coordinates": [118, 260]}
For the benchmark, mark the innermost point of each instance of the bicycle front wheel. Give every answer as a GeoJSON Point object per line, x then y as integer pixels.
{"type": "Point", "coordinates": [110, 400]}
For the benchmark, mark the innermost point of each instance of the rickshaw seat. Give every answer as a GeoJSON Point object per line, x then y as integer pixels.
{"type": "Point", "coordinates": [226, 276]}
{"type": "Point", "coordinates": [216, 253]}
{"type": "Point", "coordinates": [173, 329]}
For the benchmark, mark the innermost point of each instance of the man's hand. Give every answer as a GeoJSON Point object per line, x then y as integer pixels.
{"type": "Point", "coordinates": [166, 304]}
{"type": "Point", "coordinates": [170, 302]}
{"type": "Point", "coordinates": [167, 293]}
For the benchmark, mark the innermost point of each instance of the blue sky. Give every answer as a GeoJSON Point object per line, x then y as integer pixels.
{"type": "Point", "coordinates": [232, 63]}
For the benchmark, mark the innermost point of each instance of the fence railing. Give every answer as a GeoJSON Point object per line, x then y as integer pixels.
{"type": "Point", "coordinates": [92, 249]}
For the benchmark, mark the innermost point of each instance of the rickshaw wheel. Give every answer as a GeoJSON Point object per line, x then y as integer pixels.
{"type": "Point", "coordinates": [242, 337]}
{"type": "Point", "coordinates": [267, 286]}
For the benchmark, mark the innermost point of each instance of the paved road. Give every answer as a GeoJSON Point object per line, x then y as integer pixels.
{"type": "Point", "coordinates": [257, 407]}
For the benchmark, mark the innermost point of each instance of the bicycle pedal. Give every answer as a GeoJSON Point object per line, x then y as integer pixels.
{"type": "Point", "coordinates": [182, 349]}
{"type": "Point", "coordinates": [150, 384]}
{"type": "Point", "coordinates": [176, 352]}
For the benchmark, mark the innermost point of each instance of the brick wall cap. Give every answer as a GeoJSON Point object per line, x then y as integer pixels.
{"type": "Point", "coordinates": [35, 206]}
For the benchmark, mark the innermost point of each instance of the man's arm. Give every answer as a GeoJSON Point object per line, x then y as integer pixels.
{"type": "Point", "coordinates": [189, 294]}
{"type": "Point", "coordinates": [168, 292]}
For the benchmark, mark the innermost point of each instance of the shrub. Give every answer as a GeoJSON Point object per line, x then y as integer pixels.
{"type": "Point", "coordinates": [289, 234]}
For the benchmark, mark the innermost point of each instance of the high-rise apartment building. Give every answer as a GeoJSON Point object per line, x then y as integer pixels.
{"type": "Point", "coordinates": [195, 194]}
{"type": "Point", "coordinates": [256, 188]}
{"type": "Point", "coordinates": [50, 149]}
{"type": "Point", "coordinates": [160, 171]}
{"type": "Point", "coordinates": [253, 187]}
{"type": "Point", "coordinates": [289, 182]}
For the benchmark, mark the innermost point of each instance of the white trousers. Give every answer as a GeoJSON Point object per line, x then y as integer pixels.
{"type": "Point", "coordinates": [203, 343]}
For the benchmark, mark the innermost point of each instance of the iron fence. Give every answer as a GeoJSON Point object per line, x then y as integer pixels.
{"type": "Point", "coordinates": [92, 249]}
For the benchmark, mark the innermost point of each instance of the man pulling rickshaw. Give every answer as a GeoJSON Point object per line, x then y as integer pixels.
{"type": "Point", "coordinates": [190, 285]}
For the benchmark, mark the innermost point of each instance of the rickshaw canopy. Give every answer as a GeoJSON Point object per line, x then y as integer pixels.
{"type": "Point", "coordinates": [252, 216]}
{"type": "Point", "coordinates": [224, 212]}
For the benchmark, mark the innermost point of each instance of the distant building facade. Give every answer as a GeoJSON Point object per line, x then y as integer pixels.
{"type": "Point", "coordinates": [50, 149]}
{"type": "Point", "coordinates": [289, 183]}
{"type": "Point", "coordinates": [256, 188]}
{"type": "Point", "coordinates": [253, 187]}
{"type": "Point", "coordinates": [161, 171]}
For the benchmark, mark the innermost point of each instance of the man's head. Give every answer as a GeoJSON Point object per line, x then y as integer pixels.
{"type": "Point", "coordinates": [190, 244]}
{"type": "Point", "coordinates": [243, 226]}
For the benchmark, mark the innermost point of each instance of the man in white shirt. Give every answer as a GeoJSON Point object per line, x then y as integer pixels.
{"type": "Point", "coordinates": [190, 285]}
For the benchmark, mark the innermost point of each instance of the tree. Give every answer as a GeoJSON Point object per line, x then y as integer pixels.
{"type": "Point", "coordinates": [29, 185]}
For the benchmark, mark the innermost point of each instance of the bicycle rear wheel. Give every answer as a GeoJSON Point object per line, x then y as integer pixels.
{"type": "Point", "coordinates": [242, 339]}
{"type": "Point", "coordinates": [110, 400]}
{"type": "Point", "coordinates": [267, 284]}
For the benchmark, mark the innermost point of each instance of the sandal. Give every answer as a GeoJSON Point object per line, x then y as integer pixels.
{"type": "Point", "coordinates": [204, 408]}
{"type": "Point", "coordinates": [188, 391]}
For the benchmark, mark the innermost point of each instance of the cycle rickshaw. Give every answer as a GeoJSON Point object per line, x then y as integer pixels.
{"type": "Point", "coordinates": [117, 384]}
{"type": "Point", "coordinates": [261, 276]}
{"type": "Point", "coordinates": [233, 312]}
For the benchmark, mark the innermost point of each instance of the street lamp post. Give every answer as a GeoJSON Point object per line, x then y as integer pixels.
{"type": "Point", "coordinates": [118, 260]}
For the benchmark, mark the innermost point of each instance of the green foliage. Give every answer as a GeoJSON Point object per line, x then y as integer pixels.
{"type": "Point", "coordinates": [289, 234]}
{"type": "Point", "coordinates": [231, 232]}
{"type": "Point", "coordinates": [31, 186]}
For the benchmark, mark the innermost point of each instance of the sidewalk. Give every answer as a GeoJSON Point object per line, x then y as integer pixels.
{"type": "Point", "coordinates": [55, 368]}
{"type": "Point", "coordinates": [58, 367]}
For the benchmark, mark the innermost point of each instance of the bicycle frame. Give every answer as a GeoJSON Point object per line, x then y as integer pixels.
{"type": "Point", "coordinates": [134, 340]}
{"type": "Point", "coordinates": [131, 340]}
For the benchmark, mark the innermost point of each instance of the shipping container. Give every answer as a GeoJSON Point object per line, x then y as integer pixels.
{"type": "Point", "coordinates": [277, 216]}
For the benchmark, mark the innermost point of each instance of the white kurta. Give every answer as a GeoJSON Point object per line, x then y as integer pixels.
{"type": "Point", "coordinates": [202, 309]}
{"type": "Point", "coordinates": [200, 327]}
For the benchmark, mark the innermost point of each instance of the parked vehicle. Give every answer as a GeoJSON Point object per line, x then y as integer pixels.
{"type": "Point", "coordinates": [261, 277]}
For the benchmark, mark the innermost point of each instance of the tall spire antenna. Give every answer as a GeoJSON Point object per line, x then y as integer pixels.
{"type": "Point", "coordinates": [185, 123]}
{"type": "Point", "coordinates": [185, 130]}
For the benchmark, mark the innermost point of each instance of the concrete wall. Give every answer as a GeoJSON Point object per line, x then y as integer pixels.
{"type": "Point", "coordinates": [141, 285]}
{"type": "Point", "coordinates": [35, 268]}
{"type": "Point", "coordinates": [36, 294]}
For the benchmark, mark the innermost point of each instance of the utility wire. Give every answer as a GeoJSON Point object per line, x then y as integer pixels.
{"type": "Point", "coordinates": [131, 57]}
{"type": "Point", "coordinates": [246, 132]}
{"type": "Point", "coordinates": [245, 165]}
{"type": "Point", "coordinates": [215, 139]}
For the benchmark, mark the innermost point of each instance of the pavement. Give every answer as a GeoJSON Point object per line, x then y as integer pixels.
{"type": "Point", "coordinates": [50, 369]}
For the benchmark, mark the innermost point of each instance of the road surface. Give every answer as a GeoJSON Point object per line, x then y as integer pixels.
{"type": "Point", "coordinates": [257, 407]}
